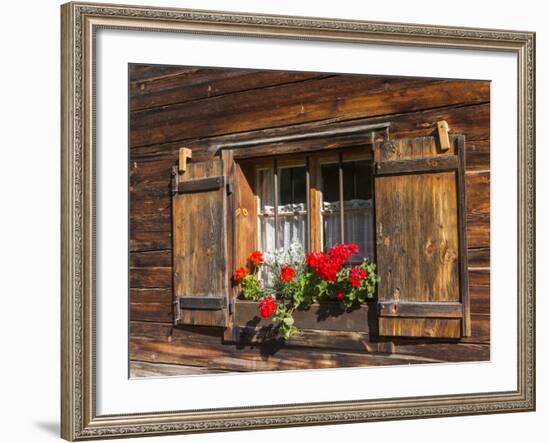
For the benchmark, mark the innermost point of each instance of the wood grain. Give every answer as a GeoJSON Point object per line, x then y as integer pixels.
{"type": "Point", "coordinates": [200, 108]}
{"type": "Point", "coordinates": [469, 120]}
{"type": "Point", "coordinates": [183, 85]}
{"type": "Point", "coordinates": [245, 214]}
{"type": "Point", "coordinates": [151, 277]}
{"type": "Point", "coordinates": [151, 259]}
{"type": "Point", "coordinates": [142, 369]}
{"type": "Point", "coordinates": [348, 97]}
{"type": "Point", "coordinates": [199, 236]}
{"type": "Point", "coordinates": [151, 311]}
{"type": "Point", "coordinates": [229, 357]}
{"type": "Point", "coordinates": [417, 237]}
{"type": "Point", "coordinates": [425, 327]}
{"type": "Point", "coordinates": [157, 342]}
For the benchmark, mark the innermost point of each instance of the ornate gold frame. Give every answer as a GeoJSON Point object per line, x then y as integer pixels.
{"type": "Point", "coordinates": [79, 23]}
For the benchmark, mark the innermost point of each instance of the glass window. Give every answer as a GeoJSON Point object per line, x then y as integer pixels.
{"type": "Point", "coordinates": [358, 208]}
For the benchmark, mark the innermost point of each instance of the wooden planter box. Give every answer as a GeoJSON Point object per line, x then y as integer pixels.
{"type": "Point", "coordinates": [324, 325]}
{"type": "Point", "coordinates": [324, 316]}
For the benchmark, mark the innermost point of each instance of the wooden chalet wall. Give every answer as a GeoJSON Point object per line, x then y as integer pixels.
{"type": "Point", "coordinates": [198, 108]}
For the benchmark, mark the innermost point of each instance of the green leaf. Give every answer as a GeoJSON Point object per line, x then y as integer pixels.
{"type": "Point", "coordinates": [289, 321]}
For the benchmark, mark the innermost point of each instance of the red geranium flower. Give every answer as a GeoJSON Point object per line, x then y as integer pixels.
{"type": "Point", "coordinates": [267, 306]}
{"type": "Point", "coordinates": [341, 252]}
{"type": "Point", "coordinates": [239, 274]}
{"type": "Point", "coordinates": [287, 273]}
{"type": "Point", "coordinates": [327, 269]}
{"type": "Point", "coordinates": [340, 296]}
{"type": "Point", "coordinates": [256, 258]}
{"type": "Point", "coordinates": [313, 258]}
{"type": "Point", "coordinates": [356, 276]}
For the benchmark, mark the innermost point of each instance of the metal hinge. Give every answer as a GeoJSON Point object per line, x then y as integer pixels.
{"type": "Point", "coordinates": [177, 314]}
{"type": "Point", "coordinates": [175, 180]}
{"type": "Point", "coordinates": [230, 188]}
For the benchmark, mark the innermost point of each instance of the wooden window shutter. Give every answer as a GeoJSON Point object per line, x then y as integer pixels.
{"type": "Point", "coordinates": [421, 238]}
{"type": "Point", "coordinates": [199, 236]}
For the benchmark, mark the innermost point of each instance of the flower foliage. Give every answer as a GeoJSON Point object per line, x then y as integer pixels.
{"type": "Point", "coordinates": [299, 280]}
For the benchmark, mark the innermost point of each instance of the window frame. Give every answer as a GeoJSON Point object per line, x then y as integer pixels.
{"type": "Point", "coordinates": [313, 161]}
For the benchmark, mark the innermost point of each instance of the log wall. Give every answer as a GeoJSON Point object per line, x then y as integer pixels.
{"type": "Point", "coordinates": [201, 107]}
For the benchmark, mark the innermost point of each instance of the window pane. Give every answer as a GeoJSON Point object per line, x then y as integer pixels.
{"type": "Point", "coordinates": [358, 212]}
{"type": "Point", "coordinates": [363, 180]}
{"type": "Point", "coordinates": [292, 185]}
{"type": "Point", "coordinates": [329, 176]}
{"type": "Point", "coordinates": [292, 210]}
{"type": "Point", "coordinates": [331, 205]}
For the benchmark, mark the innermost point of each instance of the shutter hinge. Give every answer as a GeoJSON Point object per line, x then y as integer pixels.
{"type": "Point", "coordinates": [230, 188]}
{"type": "Point", "coordinates": [231, 306]}
{"type": "Point", "coordinates": [175, 180]}
{"type": "Point", "coordinates": [177, 313]}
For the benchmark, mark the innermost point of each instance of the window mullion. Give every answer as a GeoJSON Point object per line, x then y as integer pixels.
{"type": "Point", "coordinates": [276, 202]}
{"type": "Point", "coordinates": [341, 193]}
{"type": "Point", "coordinates": [308, 207]}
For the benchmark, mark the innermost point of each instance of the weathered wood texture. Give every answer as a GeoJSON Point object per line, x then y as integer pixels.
{"type": "Point", "coordinates": [417, 237]}
{"type": "Point", "coordinates": [418, 234]}
{"type": "Point", "coordinates": [199, 234]}
{"type": "Point", "coordinates": [200, 108]}
{"type": "Point", "coordinates": [161, 343]}
{"type": "Point", "coordinates": [246, 214]}
{"type": "Point", "coordinates": [313, 100]}
{"type": "Point", "coordinates": [141, 369]}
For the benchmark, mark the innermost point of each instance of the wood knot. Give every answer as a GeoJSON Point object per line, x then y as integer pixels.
{"type": "Point", "coordinates": [388, 148]}
{"type": "Point", "coordinates": [450, 255]}
{"type": "Point", "coordinates": [429, 248]}
{"type": "Point", "coordinates": [396, 294]}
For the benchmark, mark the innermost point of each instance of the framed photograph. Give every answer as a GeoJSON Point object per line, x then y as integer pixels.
{"type": "Point", "coordinates": [281, 221]}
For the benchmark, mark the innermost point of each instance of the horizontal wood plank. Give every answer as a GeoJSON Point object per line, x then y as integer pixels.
{"type": "Point", "coordinates": [201, 185]}
{"type": "Point", "coordinates": [184, 345]}
{"type": "Point", "coordinates": [156, 312]}
{"type": "Point", "coordinates": [420, 327]}
{"type": "Point", "coordinates": [142, 369]}
{"type": "Point", "coordinates": [334, 97]}
{"type": "Point", "coordinates": [143, 241]}
{"type": "Point", "coordinates": [471, 121]}
{"type": "Point", "coordinates": [151, 259]}
{"type": "Point", "coordinates": [479, 257]}
{"type": "Point", "coordinates": [426, 164]}
{"type": "Point", "coordinates": [481, 329]}
{"type": "Point", "coordinates": [272, 357]}
{"type": "Point", "coordinates": [478, 209]}
{"type": "Point", "coordinates": [421, 309]}
{"type": "Point", "coordinates": [184, 85]}
{"type": "Point", "coordinates": [158, 277]}
{"type": "Point", "coordinates": [151, 295]}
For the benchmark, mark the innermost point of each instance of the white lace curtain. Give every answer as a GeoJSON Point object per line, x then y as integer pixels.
{"type": "Point", "coordinates": [358, 225]}
{"type": "Point", "coordinates": [292, 218]}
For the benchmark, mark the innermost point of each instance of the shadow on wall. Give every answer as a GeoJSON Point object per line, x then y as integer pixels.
{"type": "Point", "coordinates": [49, 427]}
